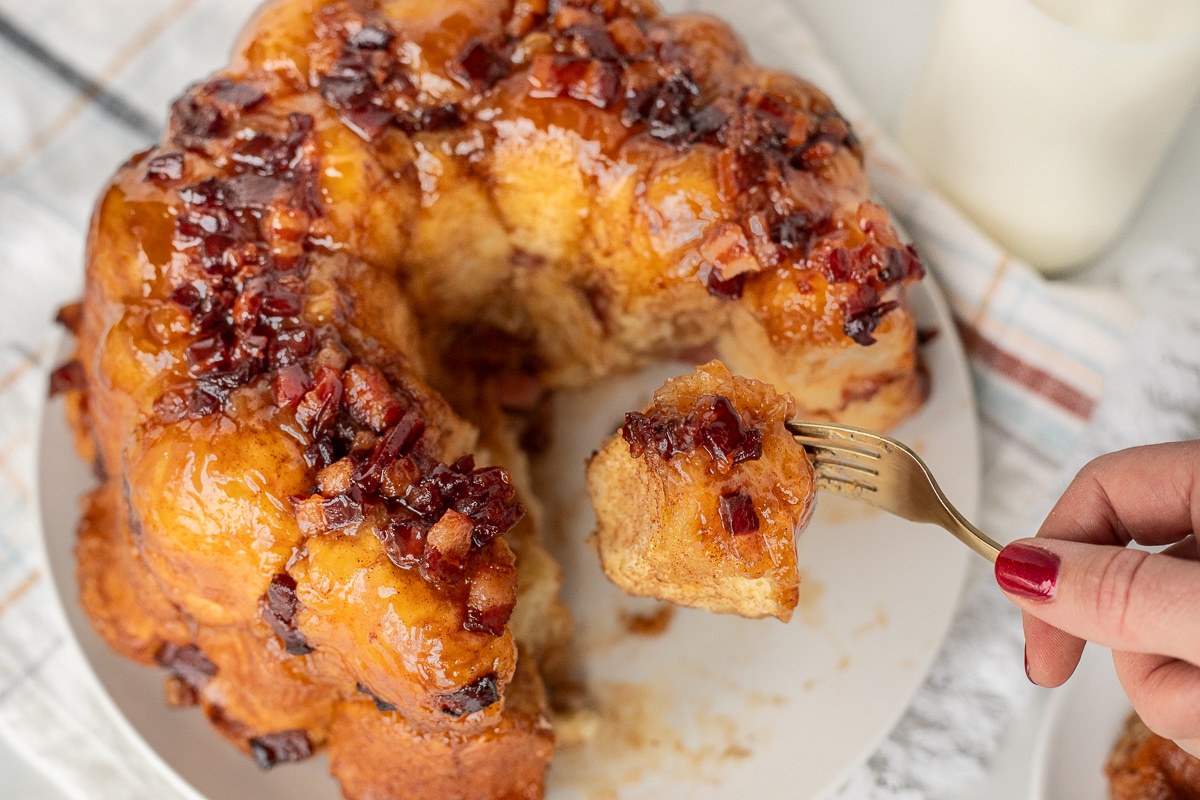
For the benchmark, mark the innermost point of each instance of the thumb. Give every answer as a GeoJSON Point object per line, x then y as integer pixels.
{"type": "Point", "coordinates": [1127, 600]}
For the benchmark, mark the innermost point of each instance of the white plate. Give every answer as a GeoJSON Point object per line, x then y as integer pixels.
{"type": "Point", "coordinates": [1082, 722]}
{"type": "Point", "coordinates": [714, 707]}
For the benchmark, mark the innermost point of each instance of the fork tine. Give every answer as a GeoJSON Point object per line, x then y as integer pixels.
{"type": "Point", "coordinates": [822, 440]}
{"type": "Point", "coordinates": [844, 486]}
{"type": "Point", "coordinates": [821, 460]}
{"type": "Point", "coordinates": [886, 473]}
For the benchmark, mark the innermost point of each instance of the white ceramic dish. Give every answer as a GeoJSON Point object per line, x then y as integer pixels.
{"type": "Point", "coordinates": [1081, 723]}
{"type": "Point", "coordinates": [714, 707]}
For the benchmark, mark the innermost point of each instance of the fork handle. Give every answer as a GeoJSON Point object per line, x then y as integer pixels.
{"type": "Point", "coordinates": [967, 533]}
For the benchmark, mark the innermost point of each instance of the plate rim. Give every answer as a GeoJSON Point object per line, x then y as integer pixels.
{"type": "Point", "coordinates": [1095, 667]}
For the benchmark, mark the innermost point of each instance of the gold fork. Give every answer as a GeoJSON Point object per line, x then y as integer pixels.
{"type": "Point", "coordinates": [881, 471]}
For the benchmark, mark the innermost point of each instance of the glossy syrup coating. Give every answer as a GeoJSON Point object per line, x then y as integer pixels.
{"type": "Point", "coordinates": [1145, 766]}
{"type": "Point", "coordinates": [380, 199]}
{"type": "Point", "coordinates": [700, 497]}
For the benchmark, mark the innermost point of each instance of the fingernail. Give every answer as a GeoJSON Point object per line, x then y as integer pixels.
{"type": "Point", "coordinates": [1028, 572]}
{"type": "Point", "coordinates": [1028, 674]}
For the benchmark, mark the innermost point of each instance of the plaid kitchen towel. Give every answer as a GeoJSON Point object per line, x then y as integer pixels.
{"type": "Point", "coordinates": [84, 84]}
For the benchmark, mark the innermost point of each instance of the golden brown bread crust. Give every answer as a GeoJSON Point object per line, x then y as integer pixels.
{"type": "Point", "coordinates": [505, 761]}
{"type": "Point", "coordinates": [1145, 766]}
{"type": "Point", "coordinates": [718, 532]}
{"type": "Point", "coordinates": [378, 200]}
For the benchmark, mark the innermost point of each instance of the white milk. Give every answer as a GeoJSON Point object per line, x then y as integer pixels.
{"type": "Point", "coordinates": [1046, 119]}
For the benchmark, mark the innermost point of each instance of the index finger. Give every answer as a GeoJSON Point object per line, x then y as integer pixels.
{"type": "Point", "coordinates": [1149, 494]}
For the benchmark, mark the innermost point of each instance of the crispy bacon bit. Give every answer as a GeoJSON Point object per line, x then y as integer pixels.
{"type": "Point", "coordinates": [188, 663]}
{"type": "Point", "coordinates": [902, 264]}
{"type": "Point", "coordinates": [473, 697]}
{"type": "Point", "coordinates": [712, 424]}
{"type": "Point", "coordinates": [165, 167]}
{"type": "Point", "coordinates": [289, 386]}
{"type": "Point", "coordinates": [720, 432]}
{"type": "Point", "coordinates": [738, 514]}
{"type": "Point", "coordinates": [797, 230]}
{"type": "Point", "coordinates": [447, 545]}
{"type": "Point", "coordinates": [283, 747]}
{"type": "Point", "coordinates": [331, 355]}
{"type": "Point", "coordinates": [380, 703]}
{"type": "Point", "coordinates": [310, 515]}
{"type": "Point", "coordinates": [207, 193]}
{"type": "Point", "coordinates": [371, 38]}
{"type": "Point", "coordinates": [323, 452]}
{"type": "Point", "coordinates": [479, 65]}
{"type": "Point", "coordinates": [336, 478]}
{"type": "Point", "coordinates": [255, 192]}
{"type": "Point", "coordinates": [201, 403]}
{"type": "Point", "coordinates": [278, 608]}
{"type": "Point", "coordinates": [348, 85]}
{"type": "Point", "coordinates": [322, 403]}
{"type": "Point", "coordinates": [861, 326]}
{"type": "Point", "coordinates": [710, 121]}
{"type": "Point", "coordinates": [591, 40]}
{"type": "Point", "coordinates": [403, 540]}
{"type": "Point", "coordinates": [666, 435]}
{"type": "Point", "coordinates": [731, 289]}
{"type": "Point", "coordinates": [342, 511]}
{"type": "Point", "coordinates": [398, 476]}
{"type": "Point", "coordinates": [368, 123]}
{"type": "Point", "coordinates": [595, 82]}
{"type": "Point", "coordinates": [832, 132]}
{"type": "Point", "coordinates": [398, 440]}
{"type": "Point", "coordinates": [491, 599]}
{"type": "Point", "coordinates": [839, 267]}
{"type": "Point", "coordinates": [195, 120]}
{"type": "Point", "coordinates": [369, 398]}
{"type": "Point", "coordinates": [270, 156]}
{"type": "Point", "coordinates": [447, 115]}
{"type": "Point", "coordinates": [665, 107]}
{"type": "Point", "coordinates": [236, 93]}
{"type": "Point", "coordinates": [730, 259]}
{"type": "Point", "coordinates": [69, 377]}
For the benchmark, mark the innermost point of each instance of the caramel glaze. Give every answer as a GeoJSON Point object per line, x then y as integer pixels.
{"type": "Point", "coordinates": [547, 194]}
{"type": "Point", "coordinates": [699, 500]}
{"type": "Point", "coordinates": [1145, 766]}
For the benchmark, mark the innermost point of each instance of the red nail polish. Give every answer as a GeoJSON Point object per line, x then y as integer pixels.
{"type": "Point", "coordinates": [1028, 572]}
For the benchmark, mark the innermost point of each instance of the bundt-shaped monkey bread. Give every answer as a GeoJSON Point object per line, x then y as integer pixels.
{"type": "Point", "coordinates": [322, 317]}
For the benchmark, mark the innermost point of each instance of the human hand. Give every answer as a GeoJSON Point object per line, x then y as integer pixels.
{"type": "Point", "coordinates": [1076, 581]}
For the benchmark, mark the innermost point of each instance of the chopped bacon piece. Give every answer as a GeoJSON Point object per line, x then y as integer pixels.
{"type": "Point", "coordinates": [289, 386]}
{"type": "Point", "coordinates": [321, 403]}
{"type": "Point", "coordinates": [471, 698]}
{"type": "Point", "coordinates": [491, 599]}
{"type": "Point", "coordinates": [69, 377]}
{"type": "Point", "coordinates": [336, 478]}
{"type": "Point", "coordinates": [369, 398]}
{"type": "Point", "coordinates": [595, 82]}
{"type": "Point", "coordinates": [738, 514]}
{"type": "Point", "coordinates": [447, 545]}
{"type": "Point", "coordinates": [283, 747]}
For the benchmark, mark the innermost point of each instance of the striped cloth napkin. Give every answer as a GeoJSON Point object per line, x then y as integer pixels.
{"type": "Point", "coordinates": [81, 87]}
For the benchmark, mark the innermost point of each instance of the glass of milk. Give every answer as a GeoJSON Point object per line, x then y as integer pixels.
{"type": "Point", "coordinates": [1045, 120]}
